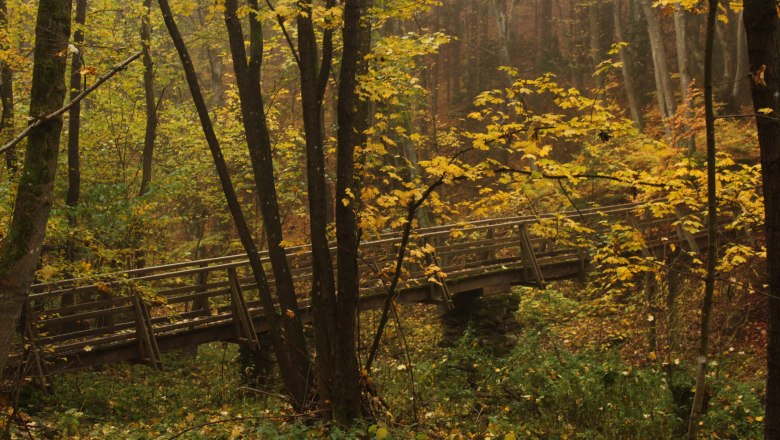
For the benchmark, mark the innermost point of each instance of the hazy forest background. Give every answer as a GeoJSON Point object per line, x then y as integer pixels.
{"type": "Point", "coordinates": [341, 121]}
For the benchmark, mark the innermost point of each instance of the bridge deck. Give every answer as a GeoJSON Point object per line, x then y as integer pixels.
{"type": "Point", "coordinates": [136, 314]}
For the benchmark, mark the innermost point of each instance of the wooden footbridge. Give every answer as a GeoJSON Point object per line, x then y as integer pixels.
{"type": "Point", "coordinates": [137, 314]}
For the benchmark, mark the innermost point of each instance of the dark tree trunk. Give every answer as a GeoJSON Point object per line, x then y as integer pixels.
{"type": "Point", "coordinates": [6, 92]}
{"type": "Point", "coordinates": [279, 339]}
{"type": "Point", "coordinates": [352, 121]}
{"type": "Point", "coordinates": [712, 227]}
{"type": "Point", "coordinates": [296, 367]}
{"type": "Point", "coordinates": [74, 121]}
{"type": "Point", "coordinates": [74, 127]}
{"type": "Point", "coordinates": [22, 247]}
{"type": "Point", "coordinates": [151, 108]}
{"type": "Point", "coordinates": [313, 72]}
{"type": "Point", "coordinates": [762, 27]}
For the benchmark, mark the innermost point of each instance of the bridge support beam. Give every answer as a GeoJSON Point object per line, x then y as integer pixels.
{"type": "Point", "coordinates": [491, 318]}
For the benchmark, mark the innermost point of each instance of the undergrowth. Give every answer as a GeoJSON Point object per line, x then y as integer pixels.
{"type": "Point", "coordinates": [542, 389]}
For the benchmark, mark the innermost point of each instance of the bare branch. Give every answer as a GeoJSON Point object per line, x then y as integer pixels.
{"type": "Point", "coordinates": [45, 118]}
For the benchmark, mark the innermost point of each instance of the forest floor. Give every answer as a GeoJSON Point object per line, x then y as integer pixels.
{"type": "Point", "coordinates": [550, 384]}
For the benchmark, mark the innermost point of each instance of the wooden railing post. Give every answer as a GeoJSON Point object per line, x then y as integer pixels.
{"type": "Point", "coordinates": [34, 354]}
{"type": "Point", "coordinates": [148, 351]}
{"type": "Point", "coordinates": [528, 256]}
{"type": "Point", "coordinates": [444, 297]}
{"type": "Point", "coordinates": [242, 319]}
{"type": "Point", "coordinates": [202, 303]}
{"type": "Point", "coordinates": [683, 233]}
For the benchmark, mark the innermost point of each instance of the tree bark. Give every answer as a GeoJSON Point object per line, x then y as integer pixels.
{"type": "Point", "coordinates": [762, 27]}
{"type": "Point", "coordinates": [549, 53]}
{"type": "Point", "coordinates": [296, 366]}
{"type": "Point", "coordinates": [712, 227]}
{"type": "Point", "coordinates": [662, 76]}
{"type": "Point", "coordinates": [628, 80]}
{"type": "Point", "coordinates": [681, 41]}
{"type": "Point", "coordinates": [352, 121]}
{"type": "Point", "coordinates": [150, 134]}
{"type": "Point", "coordinates": [6, 91]}
{"type": "Point", "coordinates": [244, 233]}
{"type": "Point", "coordinates": [313, 75]}
{"type": "Point", "coordinates": [74, 120]}
{"type": "Point", "coordinates": [737, 90]}
{"type": "Point", "coordinates": [22, 247]}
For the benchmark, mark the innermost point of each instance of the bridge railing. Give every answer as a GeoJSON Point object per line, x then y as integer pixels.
{"type": "Point", "coordinates": [137, 307]}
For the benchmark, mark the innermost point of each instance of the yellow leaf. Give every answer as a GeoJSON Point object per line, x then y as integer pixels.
{"type": "Point", "coordinates": [382, 433]}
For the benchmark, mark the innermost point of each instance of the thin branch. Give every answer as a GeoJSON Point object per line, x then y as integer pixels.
{"type": "Point", "coordinates": [45, 118]}
{"type": "Point", "coordinates": [280, 20]}
{"type": "Point", "coordinates": [582, 176]}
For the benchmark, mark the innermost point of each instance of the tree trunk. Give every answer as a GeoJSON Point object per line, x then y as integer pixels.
{"type": "Point", "coordinates": [6, 91]}
{"type": "Point", "coordinates": [628, 80]}
{"type": "Point", "coordinates": [22, 246]}
{"type": "Point", "coordinates": [662, 76]}
{"type": "Point", "coordinates": [549, 54]}
{"type": "Point", "coordinates": [738, 89]}
{"type": "Point", "coordinates": [296, 367]}
{"type": "Point", "coordinates": [762, 27]}
{"type": "Point", "coordinates": [503, 15]}
{"type": "Point", "coordinates": [712, 227]}
{"type": "Point", "coordinates": [74, 127]}
{"type": "Point", "coordinates": [244, 233]}
{"type": "Point", "coordinates": [352, 123]}
{"type": "Point", "coordinates": [681, 41]}
{"type": "Point", "coordinates": [151, 108]}
{"type": "Point", "coordinates": [313, 73]}
{"type": "Point", "coordinates": [74, 121]}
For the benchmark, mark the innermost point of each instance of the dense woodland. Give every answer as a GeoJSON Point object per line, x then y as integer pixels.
{"type": "Point", "coordinates": [139, 134]}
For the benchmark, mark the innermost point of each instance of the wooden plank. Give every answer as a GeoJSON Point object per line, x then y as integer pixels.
{"type": "Point", "coordinates": [529, 258]}
{"type": "Point", "coordinates": [148, 351]}
{"type": "Point", "coordinates": [683, 233]}
{"type": "Point", "coordinates": [53, 321]}
{"type": "Point", "coordinates": [241, 316]}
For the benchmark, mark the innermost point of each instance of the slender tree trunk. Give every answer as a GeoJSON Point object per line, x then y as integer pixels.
{"type": "Point", "coordinates": [22, 247]}
{"type": "Point", "coordinates": [74, 121]}
{"type": "Point", "coordinates": [151, 107]}
{"type": "Point", "coordinates": [726, 40]}
{"type": "Point", "coordinates": [313, 74]}
{"type": "Point", "coordinates": [628, 80]}
{"type": "Point", "coordinates": [74, 128]}
{"type": "Point", "coordinates": [740, 80]}
{"type": "Point", "coordinates": [270, 313]}
{"type": "Point", "coordinates": [352, 121]}
{"type": "Point", "coordinates": [6, 91]}
{"type": "Point", "coordinates": [712, 227]}
{"type": "Point", "coordinates": [295, 365]}
{"type": "Point", "coordinates": [502, 16]}
{"type": "Point", "coordinates": [762, 27]}
{"type": "Point", "coordinates": [662, 75]}
{"type": "Point", "coordinates": [549, 53]}
{"type": "Point", "coordinates": [681, 40]}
